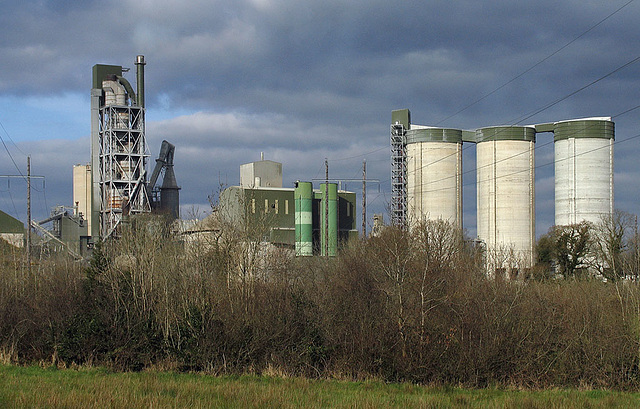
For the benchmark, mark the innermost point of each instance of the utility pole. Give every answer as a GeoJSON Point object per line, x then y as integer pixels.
{"type": "Point", "coordinates": [326, 207]}
{"type": "Point", "coordinates": [364, 181]}
{"type": "Point", "coordinates": [636, 266]}
{"type": "Point", "coordinates": [364, 198]}
{"type": "Point", "coordinates": [29, 214]}
{"type": "Point", "coordinates": [27, 178]}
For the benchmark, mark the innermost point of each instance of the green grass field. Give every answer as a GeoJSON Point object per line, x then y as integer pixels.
{"type": "Point", "coordinates": [100, 388]}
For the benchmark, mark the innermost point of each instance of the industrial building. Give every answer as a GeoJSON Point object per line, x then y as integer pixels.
{"type": "Point", "coordinates": [11, 230]}
{"type": "Point", "coordinates": [293, 218]}
{"type": "Point", "coordinates": [68, 233]}
{"type": "Point", "coordinates": [82, 192]}
{"type": "Point", "coordinates": [426, 173]}
{"type": "Point", "coordinates": [114, 185]}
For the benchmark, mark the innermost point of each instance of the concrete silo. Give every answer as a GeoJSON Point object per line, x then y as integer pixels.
{"type": "Point", "coordinates": [583, 170]}
{"type": "Point", "coordinates": [434, 174]}
{"type": "Point", "coordinates": [506, 195]}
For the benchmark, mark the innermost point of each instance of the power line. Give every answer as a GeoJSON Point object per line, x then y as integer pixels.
{"type": "Point", "coordinates": [475, 169]}
{"type": "Point", "coordinates": [11, 139]}
{"type": "Point", "coordinates": [11, 156]}
{"type": "Point", "coordinates": [535, 65]}
{"type": "Point", "coordinates": [545, 107]}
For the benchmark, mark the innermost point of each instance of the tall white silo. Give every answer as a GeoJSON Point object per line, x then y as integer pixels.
{"type": "Point", "coordinates": [506, 195]}
{"type": "Point", "coordinates": [583, 170]}
{"type": "Point", "coordinates": [434, 174]}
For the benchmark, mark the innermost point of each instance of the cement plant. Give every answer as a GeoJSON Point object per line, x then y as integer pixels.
{"type": "Point", "coordinates": [115, 185]}
{"type": "Point", "coordinates": [279, 279]}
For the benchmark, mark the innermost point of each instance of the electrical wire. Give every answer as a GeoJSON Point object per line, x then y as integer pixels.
{"type": "Point", "coordinates": [544, 108]}
{"type": "Point", "coordinates": [11, 157]}
{"type": "Point", "coordinates": [11, 139]}
{"type": "Point", "coordinates": [535, 65]}
{"type": "Point", "coordinates": [537, 111]}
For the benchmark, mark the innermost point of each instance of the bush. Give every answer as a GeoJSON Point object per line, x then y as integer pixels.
{"type": "Point", "coordinates": [405, 306]}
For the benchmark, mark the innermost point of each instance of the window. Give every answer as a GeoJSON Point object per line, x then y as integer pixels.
{"type": "Point", "coordinates": [253, 206]}
{"type": "Point", "coordinates": [276, 206]}
{"type": "Point", "coordinates": [286, 207]}
{"type": "Point", "coordinates": [266, 205]}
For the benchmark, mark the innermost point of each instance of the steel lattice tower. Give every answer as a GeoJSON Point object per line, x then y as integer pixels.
{"type": "Point", "coordinates": [398, 175]}
{"type": "Point", "coordinates": [119, 150]}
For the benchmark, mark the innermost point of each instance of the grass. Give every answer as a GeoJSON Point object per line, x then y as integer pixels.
{"type": "Point", "coordinates": [99, 388]}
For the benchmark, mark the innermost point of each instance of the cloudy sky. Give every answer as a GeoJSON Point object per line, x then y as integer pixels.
{"type": "Point", "coordinates": [303, 81]}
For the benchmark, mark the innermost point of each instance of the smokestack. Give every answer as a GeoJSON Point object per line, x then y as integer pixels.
{"type": "Point", "coordinates": [140, 63]}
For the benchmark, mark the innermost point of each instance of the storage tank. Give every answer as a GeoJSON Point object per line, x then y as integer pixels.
{"type": "Point", "coordinates": [434, 174]}
{"type": "Point", "coordinates": [329, 229]}
{"type": "Point", "coordinates": [583, 170]}
{"type": "Point", "coordinates": [303, 195]}
{"type": "Point", "coordinates": [505, 196]}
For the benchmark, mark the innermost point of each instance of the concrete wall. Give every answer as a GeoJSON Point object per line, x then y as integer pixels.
{"type": "Point", "coordinates": [264, 173]}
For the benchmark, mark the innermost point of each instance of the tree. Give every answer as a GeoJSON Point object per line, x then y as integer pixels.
{"type": "Point", "coordinates": [611, 242]}
{"type": "Point", "coordinates": [393, 255]}
{"type": "Point", "coordinates": [572, 248]}
{"type": "Point", "coordinates": [545, 260]}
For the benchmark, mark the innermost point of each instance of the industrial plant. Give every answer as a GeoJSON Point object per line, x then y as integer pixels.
{"type": "Point", "coordinates": [426, 179]}
{"type": "Point", "coordinates": [426, 182]}
{"type": "Point", "coordinates": [313, 222]}
{"type": "Point", "coordinates": [114, 185]}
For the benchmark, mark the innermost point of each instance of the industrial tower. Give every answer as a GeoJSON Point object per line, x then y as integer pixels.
{"type": "Point", "coordinates": [400, 123]}
{"type": "Point", "coordinates": [118, 149]}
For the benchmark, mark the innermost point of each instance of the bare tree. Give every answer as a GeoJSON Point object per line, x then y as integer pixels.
{"type": "Point", "coordinates": [610, 243]}
{"type": "Point", "coordinates": [393, 254]}
{"type": "Point", "coordinates": [438, 246]}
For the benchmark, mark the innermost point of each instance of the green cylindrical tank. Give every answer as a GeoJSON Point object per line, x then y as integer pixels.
{"type": "Point", "coordinates": [303, 195]}
{"type": "Point", "coordinates": [331, 247]}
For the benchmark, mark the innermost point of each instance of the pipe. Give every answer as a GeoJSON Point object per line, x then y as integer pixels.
{"type": "Point", "coordinates": [128, 87]}
{"type": "Point", "coordinates": [140, 63]}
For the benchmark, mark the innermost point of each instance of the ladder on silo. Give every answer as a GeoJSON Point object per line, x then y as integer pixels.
{"type": "Point", "coordinates": [398, 175]}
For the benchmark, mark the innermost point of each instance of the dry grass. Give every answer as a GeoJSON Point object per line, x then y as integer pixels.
{"type": "Point", "coordinates": [98, 388]}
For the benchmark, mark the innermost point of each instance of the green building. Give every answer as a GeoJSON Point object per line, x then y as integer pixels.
{"type": "Point", "coordinates": [11, 230]}
{"type": "Point", "coordinates": [290, 217]}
